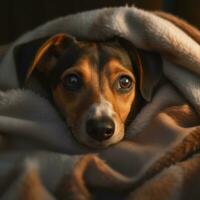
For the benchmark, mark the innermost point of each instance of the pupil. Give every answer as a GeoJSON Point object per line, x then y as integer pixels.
{"type": "Point", "coordinates": [73, 79]}
{"type": "Point", "coordinates": [125, 82]}
{"type": "Point", "coordinates": [72, 82]}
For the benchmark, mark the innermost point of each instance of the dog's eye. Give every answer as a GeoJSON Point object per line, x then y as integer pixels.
{"type": "Point", "coordinates": [124, 83]}
{"type": "Point", "coordinates": [72, 82]}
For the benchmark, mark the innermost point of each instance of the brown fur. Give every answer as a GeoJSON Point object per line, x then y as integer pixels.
{"type": "Point", "coordinates": [96, 86]}
{"type": "Point", "coordinates": [91, 93]}
{"type": "Point", "coordinates": [99, 65]}
{"type": "Point", "coordinates": [121, 103]}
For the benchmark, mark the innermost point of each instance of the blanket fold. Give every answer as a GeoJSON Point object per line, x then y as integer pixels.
{"type": "Point", "coordinates": [159, 156]}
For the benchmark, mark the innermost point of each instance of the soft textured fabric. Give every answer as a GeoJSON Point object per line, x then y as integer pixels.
{"type": "Point", "coordinates": [158, 159]}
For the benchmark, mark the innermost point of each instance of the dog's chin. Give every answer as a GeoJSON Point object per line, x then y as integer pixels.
{"type": "Point", "coordinates": [97, 145]}
{"type": "Point", "coordinates": [91, 143]}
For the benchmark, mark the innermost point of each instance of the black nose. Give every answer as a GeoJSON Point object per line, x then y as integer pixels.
{"type": "Point", "coordinates": [100, 129]}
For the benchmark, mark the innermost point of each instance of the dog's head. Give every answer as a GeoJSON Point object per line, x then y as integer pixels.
{"type": "Point", "coordinates": [94, 85]}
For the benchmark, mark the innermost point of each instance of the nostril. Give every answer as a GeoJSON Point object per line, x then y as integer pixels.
{"type": "Point", "coordinates": [100, 129]}
{"type": "Point", "coordinates": [109, 130]}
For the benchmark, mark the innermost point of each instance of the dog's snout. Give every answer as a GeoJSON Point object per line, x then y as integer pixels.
{"type": "Point", "coordinates": [100, 129]}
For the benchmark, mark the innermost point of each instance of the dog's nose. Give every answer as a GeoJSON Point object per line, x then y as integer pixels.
{"type": "Point", "coordinates": [100, 129]}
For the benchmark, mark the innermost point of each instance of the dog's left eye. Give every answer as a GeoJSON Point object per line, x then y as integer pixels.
{"type": "Point", "coordinates": [124, 83]}
{"type": "Point", "coordinates": [72, 82]}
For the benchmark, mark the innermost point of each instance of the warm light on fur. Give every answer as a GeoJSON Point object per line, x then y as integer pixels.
{"type": "Point", "coordinates": [159, 157]}
{"type": "Point", "coordinates": [98, 98]}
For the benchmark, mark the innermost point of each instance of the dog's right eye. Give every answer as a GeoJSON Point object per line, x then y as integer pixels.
{"type": "Point", "coordinates": [72, 82]}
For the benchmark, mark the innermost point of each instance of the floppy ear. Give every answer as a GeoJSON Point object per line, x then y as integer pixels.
{"type": "Point", "coordinates": [40, 54]}
{"type": "Point", "coordinates": [147, 66]}
{"type": "Point", "coordinates": [150, 72]}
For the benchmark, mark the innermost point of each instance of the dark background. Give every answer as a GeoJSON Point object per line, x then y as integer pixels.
{"type": "Point", "coordinates": [19, 16]}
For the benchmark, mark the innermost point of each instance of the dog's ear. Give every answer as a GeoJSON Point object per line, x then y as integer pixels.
{"type": "Point", "coordinates": [147, 66]}
{"type": "Point", "coordinates": [40, 54]}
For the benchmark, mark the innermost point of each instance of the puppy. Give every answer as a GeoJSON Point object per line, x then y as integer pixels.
{"type": "Point", "coordinates": [96, 86]}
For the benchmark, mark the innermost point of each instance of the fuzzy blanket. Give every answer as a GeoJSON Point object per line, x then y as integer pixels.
{"type": "Point", "coordinates": [159, 157]}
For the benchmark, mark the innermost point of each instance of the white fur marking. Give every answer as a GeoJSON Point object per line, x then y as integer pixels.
{"type": "Point", "coordinates": [103, 108]}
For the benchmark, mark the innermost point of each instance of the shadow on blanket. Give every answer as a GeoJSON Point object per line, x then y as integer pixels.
{"type": "Point", "coordinates": [158, 159]}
